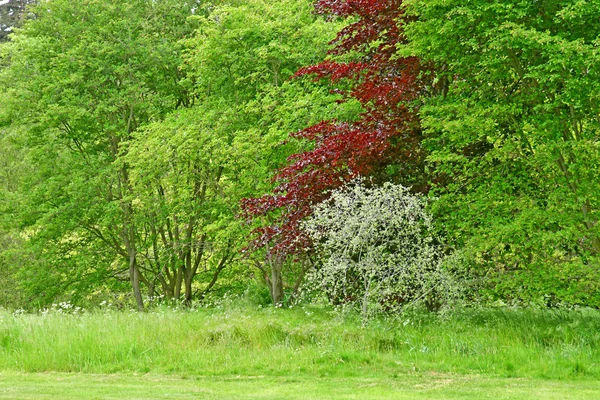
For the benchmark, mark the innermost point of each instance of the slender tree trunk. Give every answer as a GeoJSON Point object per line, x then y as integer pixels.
{"type": "Point", "coordinates": [128, 227]}
{"type": "Point", "coordinates": [189, 278]}
{"type": "Point", "coordinates": [277, 281]}
{"type": "Point", "coordinates": [306, 265]}
{"type": "Point", "coordinates": [220, 267]}
{"type": "Point", "coordinates": [165, 286]}
{"type": "Point", "coordinates": [129, 241]}
{"type": "Point", "coordinates": [134, 275]}
{"type": "Point", "coordinates": [178, 283]}
{"type": "Point", "coordinates": [151, 285]}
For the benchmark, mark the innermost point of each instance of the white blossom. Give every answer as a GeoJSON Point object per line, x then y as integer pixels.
{"type": "Point", "coordinates": [376, 247]}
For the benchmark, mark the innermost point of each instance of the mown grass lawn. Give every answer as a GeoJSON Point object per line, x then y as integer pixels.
{"type": "Point", "coordinates": [417, 386]}
{"type": "Point", "coordinates": [306, 353]}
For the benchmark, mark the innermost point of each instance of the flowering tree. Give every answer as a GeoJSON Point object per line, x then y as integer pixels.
{"type": "Point", "coordinates": [376, 247]}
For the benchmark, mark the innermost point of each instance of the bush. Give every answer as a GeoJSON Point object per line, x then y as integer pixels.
{"type": "Point", "coordinates": [376, 249]}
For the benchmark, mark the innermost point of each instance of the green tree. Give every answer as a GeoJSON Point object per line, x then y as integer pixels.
{"type": "Point", "coordinates": [513, 121]}
{"type": "Point", "coordinates": [82, 78]}
{"type": "Point", "coordinates": [145, 129]}
{"type": "Point", "coordinates": [228, 140]}
{"type": "Point", "coordinates": [12, 169]}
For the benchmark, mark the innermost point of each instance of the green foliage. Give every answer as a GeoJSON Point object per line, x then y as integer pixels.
{"type": "Point", "coordinates": [140, 126]}
{"type": "Point", "coordinates": [82, 77]}
{"type": "Point", "coordinates": [129, 132]}
{"type": "Point", "coordinates": [238, 66]}
{"type": "Point", "coordinates": [512, 123]}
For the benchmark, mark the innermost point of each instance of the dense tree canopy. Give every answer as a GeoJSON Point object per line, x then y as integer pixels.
{"type": "Point", "coordinates": [82, 77]}
{"type": "Point", "coordinates": [515, 133]}
{"type": "Point", "coordinates": [145, 143]}
{"type": "Point", "coordinates": [176, 147]}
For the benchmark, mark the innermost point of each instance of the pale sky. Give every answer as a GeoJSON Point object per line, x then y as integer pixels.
{"type": "Point", "coordinates": [3, 2]}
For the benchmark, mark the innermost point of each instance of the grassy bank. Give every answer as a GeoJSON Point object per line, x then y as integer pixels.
{"type": "Point", "coordinates": [305, 342]}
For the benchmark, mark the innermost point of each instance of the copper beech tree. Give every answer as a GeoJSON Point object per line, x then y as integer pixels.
{"type": "Point", "coordinates": [383, 143]}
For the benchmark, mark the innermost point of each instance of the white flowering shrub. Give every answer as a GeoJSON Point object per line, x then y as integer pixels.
{"type": "Point", "coordinates": [376, 248]}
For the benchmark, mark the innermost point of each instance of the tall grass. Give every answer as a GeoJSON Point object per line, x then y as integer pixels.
{"type": "Point", "coordinates": [304, 341]}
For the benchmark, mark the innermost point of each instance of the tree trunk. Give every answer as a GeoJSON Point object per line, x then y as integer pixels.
{"type": "Point", "coordinates": [277, 281]}
{"type": "Point", "coordinates": [178, 283]}
{"type": "Point", "coordinates": [220, 267]}
{"type": "Point", "coordinates": [134, 275]}
{"type": "Point", "coordinates": [189, 278]}
{"type": "Point", "coordinates": [128, 227]}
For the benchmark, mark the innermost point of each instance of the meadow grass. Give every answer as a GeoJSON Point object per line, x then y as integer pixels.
{"type": "Point", "coordinates": [304, 343]}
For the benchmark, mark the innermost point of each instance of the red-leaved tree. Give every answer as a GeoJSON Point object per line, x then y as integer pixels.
{"type": "Point", "coordinates": [383, 144]}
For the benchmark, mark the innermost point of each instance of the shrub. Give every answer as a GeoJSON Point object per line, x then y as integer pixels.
{"type": "Point", "coordinates": [376, 249]}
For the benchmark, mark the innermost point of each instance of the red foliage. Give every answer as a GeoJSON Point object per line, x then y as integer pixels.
{"type": "Point", "coordinates": [387, 133]}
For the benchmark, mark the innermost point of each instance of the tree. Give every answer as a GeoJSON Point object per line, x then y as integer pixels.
{"type": "Point", "coordinates": [12, 169]}
{"type": "Point", "coordinates": [377, 249]}
{"type": "Point", "coordinates": [383, 142]}
{"type": "Point", "coordinates": [222, 148]}
{"type": "Point", "coordinates": [514, 133]}
{"type": "Point", "coordinates": [146, 132]}
{"type": "Point", "coordinates": [82, 78]}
